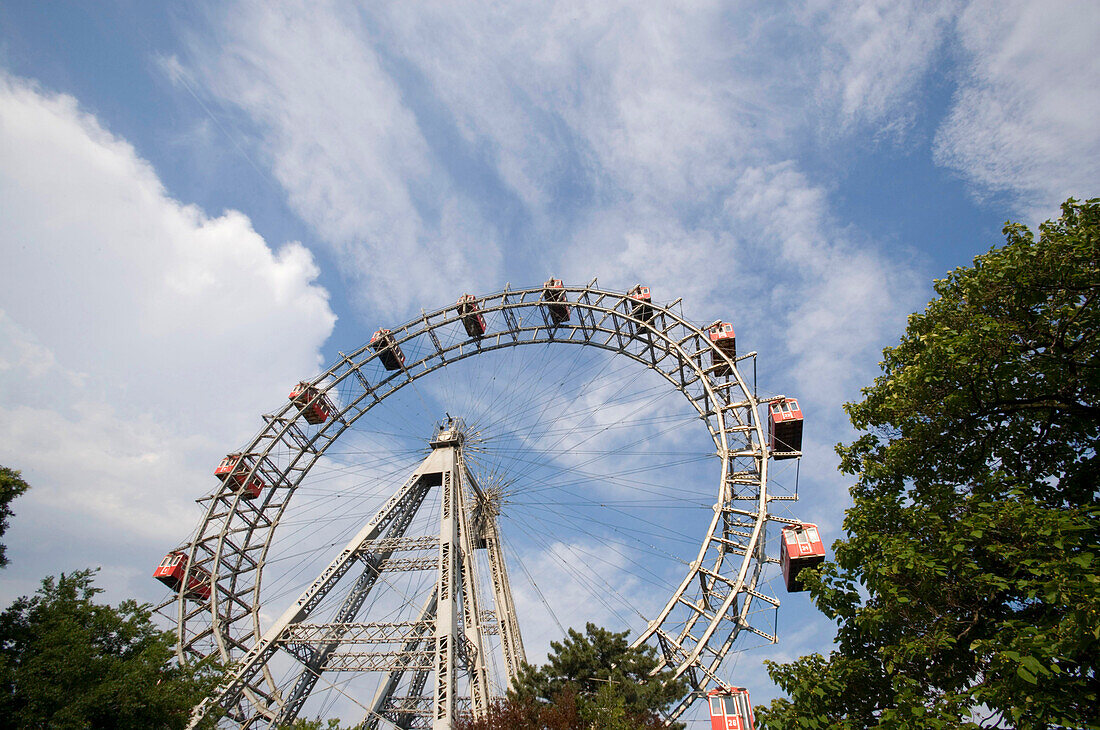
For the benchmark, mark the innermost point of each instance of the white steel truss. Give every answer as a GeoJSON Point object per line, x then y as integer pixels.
{"type": "Point", "coordinates": [447, 638]}
{"type": "Point", "coordinates": [718, 598]}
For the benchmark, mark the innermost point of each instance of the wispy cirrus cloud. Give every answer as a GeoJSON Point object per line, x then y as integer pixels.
{"type": "Point", "coordinates": [453, 146]}
{"type": "Point", "coordinates": [874, 55]}
{"type": "Point", "coordinates": [449, 146]}
{"type": "Point", "coordinates": [1023, 121]}
{"type": "Point", "coordinates": [654, 144]}
{"type": "Point", "coordinates": [351, 152]}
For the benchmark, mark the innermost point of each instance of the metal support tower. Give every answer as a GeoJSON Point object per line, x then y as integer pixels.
{"type": "Point", "coordinates": [721, 604]}
{"type": "Point", "coordinates": [446, 642]}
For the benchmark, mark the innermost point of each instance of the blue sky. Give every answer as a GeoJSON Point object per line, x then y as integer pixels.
{"type": "Point", "coordinates": [204, 203]}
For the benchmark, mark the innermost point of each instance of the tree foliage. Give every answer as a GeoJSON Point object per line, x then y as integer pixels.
{"type": "Point", "coordinates": [314, 724]}
{"type": "Point", "coordinates": [606, 710]}
{"type": "Point", "coordinates": [966, 592]}
{"type": "Point", "coordinates": [590, 680]}
{"type": "Point", "coordinates": [11, 486]}
{"type": "Point", "coordinates": [68, 662]}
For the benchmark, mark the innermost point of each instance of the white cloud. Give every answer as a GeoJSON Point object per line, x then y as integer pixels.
{"type": "Point", "coordinates": [1024, 118]}
{"type": "Point", "coordinates": [653, 144]}
{"type": "Point", "coordinates": [574, 583]}
{"type": "Point", "coordinates": [621, 131]}
{"type": "Point", "coordinates": [413, 135]}
{"type": "Point", "coordinates": [874, 54]}
{"type": "Point", "coordinates": [647, 144]}
{"type": "Point", "coordinates": [139, 339]}
{"type": "Point", "coordinates": [348, 148]}
{"type": "Point", "coordinates": [835, 301]}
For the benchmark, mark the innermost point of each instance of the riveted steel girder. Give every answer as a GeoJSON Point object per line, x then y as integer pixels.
{"type": "Point", "coordinates": [718, 589]}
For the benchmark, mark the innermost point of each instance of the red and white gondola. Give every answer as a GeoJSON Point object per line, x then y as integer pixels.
{"type": "Point", "coordinates": [801, 547]}
{"type": "Point", "coordinates": [641, 308]}
{"type": "Point", "coordinates": [311, 402]}
{"type": "Point", "coordinates": [172, 569]}
{"type": "Point", "coordinates": [234, 469]}
{"type": "Point", "coordinates": [470, 313]}
{"type": "Point", "coordinates": [389, 352]}
{"type": "Point", "coordinates": [730, 709]}
{"type": "Point", "coordinates": [785, 429]}
{"type": "Point", "coordinates": [724, 338]}
{"type": "Point", "coordinates": [553, 297]}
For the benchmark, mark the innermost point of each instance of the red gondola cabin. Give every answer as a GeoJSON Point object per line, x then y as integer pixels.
{"type": "Point", "coordinates": [641, 308]}
{"type": "Point", "coordinates": [785, 429]}
{"type": "Point", "coordinates": [471, 315]}
{"type": "Point", "coordinates": [389, 352]}
{"type": "Point", "coordinates": [801, 548]}
{"type": "Point", "coordinates": [233, 470]}
{"type": "Point", "coordinates": [730, 709]}
{"type": "Point", "coordinates": [312, 403]}
{"type": "Point", "coordinates": [171, 570]}
{"type": "Point", "coordinates": [553, 293]}
{"type": "Point", "coordinates": [723, 337]}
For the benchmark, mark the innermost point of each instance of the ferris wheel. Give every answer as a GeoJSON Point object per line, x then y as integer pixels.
{"type": "Point", "coordinates": [413, 582]}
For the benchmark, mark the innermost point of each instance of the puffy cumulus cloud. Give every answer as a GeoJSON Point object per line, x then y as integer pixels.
{"type": "Point", "coordinates": [874, 54]}
{"type": "Point", "coordinates": [1024, 117]}
{"type": "Point", "coordinates": [349, 149]}
{"type": "Point", "coordinates": [90, 468]}
{"type": "Point", "coordinates": [139, 339]}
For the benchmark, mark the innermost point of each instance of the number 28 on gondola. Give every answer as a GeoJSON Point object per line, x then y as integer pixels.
{"type": "Point", "coordinates": [730, 709]}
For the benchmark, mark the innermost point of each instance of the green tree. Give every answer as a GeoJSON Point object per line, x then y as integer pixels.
{"type": "Point", "coordinates": [590, 680]}
{"type": "Point", "coordinates": [514, 713]}
{"type": "Point", "coordinates": [11, 486]}
{"type": "Point", "coordinates": [606, 710]}
{"type": "Point", "coordinates": [68, 662]}
{"type": "Point", "coordinates": [966, 591]}
{"type": "Point", "coordinates": [314, 724]}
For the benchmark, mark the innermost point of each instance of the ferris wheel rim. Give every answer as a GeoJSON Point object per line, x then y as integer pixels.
{"type": "Point", "coordinates": [614, 308]}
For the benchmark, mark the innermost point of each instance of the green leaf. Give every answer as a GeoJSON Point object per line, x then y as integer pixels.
{"type": "Point", "coordinates": [975, 519]}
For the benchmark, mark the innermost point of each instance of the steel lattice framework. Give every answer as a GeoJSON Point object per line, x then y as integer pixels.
{"type": "Point", "coordinates": [716, 601]}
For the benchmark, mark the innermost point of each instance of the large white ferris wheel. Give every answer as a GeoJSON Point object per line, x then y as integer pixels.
{"type": "Point", "coordinates": [403, 607]}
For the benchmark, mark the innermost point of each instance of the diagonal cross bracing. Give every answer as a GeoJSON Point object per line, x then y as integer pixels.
{"type": "Point", "coordinates": [235, 535]}
{"type": "Point", "coordinates": [446, 641]}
